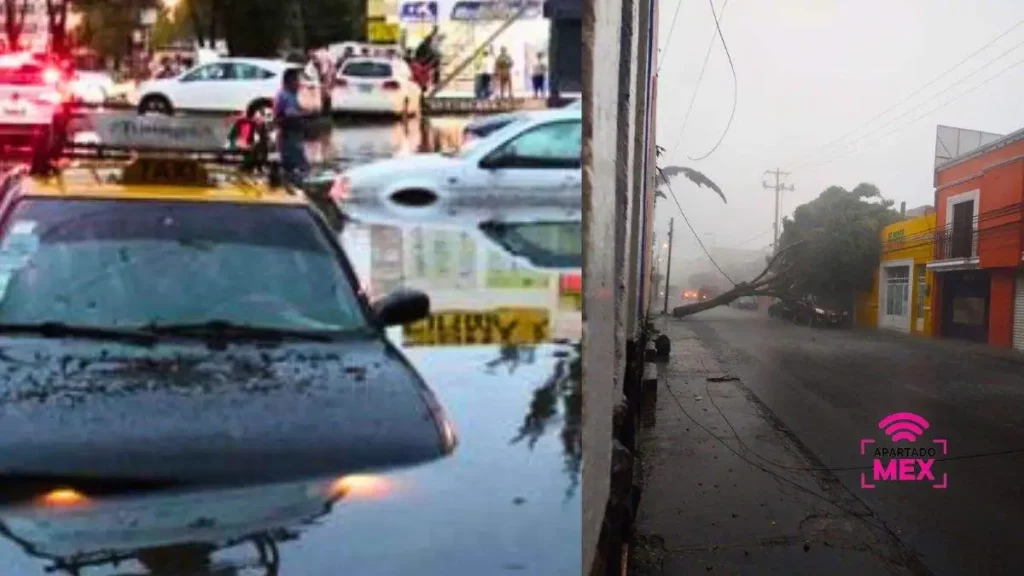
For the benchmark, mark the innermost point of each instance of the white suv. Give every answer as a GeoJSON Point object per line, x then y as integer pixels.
{"type": "Point", "coordinates": [33, 104]}
{"type": "Point", "coordinates": [225, 85]}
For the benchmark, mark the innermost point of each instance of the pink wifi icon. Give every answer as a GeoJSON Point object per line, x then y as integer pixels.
{"type": "Point", "coordinates": [903, 426]}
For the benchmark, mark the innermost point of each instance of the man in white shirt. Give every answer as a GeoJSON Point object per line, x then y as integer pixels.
{"type": "Point", "coordinates": [539, 75]}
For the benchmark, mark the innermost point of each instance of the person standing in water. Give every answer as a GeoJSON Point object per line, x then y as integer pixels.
{"type": "Point", "coordinates": [290, 122]}
{"type": "Point", "coordinates": [503, 71]}
{"type": "Point", "coordinates": [539, 76]}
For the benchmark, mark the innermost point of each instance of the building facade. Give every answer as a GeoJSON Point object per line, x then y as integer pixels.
{"type": "Point", "coordinates": [902, 287]}
{"type": "Point", "coordinates": [978, 244]}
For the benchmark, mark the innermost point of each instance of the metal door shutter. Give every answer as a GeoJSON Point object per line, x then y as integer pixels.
{"type": "Point", "coordinates": [1018, 314]}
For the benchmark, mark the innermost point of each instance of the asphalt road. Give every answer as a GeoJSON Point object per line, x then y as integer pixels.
{"type": "Point", "coordinates": [830, 388]}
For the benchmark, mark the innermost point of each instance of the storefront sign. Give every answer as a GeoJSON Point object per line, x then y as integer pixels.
{"type": "Point", "coordinates": [485, 10]}
{"type": "Point", "coordinates": [419, 11]}
{"type": "Point", "coordinates": [379, 31]}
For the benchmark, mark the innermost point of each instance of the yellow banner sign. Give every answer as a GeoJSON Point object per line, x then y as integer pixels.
{"type": "Point", "coordinates": [507, 326]}
{"type": "Point", "coordinates": [380, 32]}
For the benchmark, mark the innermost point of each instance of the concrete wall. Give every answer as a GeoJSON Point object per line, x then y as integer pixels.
{"type": "Point", "coordinates": [619, 161]}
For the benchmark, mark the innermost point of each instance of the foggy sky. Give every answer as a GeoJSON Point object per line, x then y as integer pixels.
{"type": "Point", "coordinates": [809, 72]}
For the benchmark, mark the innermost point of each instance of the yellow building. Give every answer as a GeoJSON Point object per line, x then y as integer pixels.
{"type": "Point", "coordinates": [901, 294]}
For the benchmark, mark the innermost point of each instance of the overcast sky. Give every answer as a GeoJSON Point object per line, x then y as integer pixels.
{"type": "Point", "coordinates": [810, 72]}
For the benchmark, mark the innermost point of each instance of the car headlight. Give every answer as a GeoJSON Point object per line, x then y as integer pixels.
{"type": "Point", "coordinates": [819, 310]}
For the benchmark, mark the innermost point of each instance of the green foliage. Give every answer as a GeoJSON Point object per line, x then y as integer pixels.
{"type": "Point", "coordinates": [831, 246]}
{"type": "Point", "coordinates": [329, 21]}
{"type": "Point", "coordinates": [107, 25]}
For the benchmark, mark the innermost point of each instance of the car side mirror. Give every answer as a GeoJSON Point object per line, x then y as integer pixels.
{"type": "Point", "coordinates": [403, 306]}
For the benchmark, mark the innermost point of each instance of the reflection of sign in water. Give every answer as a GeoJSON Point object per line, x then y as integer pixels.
{"type": "Point", "coordinates": [382, 32]}
{"type": "Point", "coordinates": [505, 274]}
{"type": "Point", "coordinates": [462, 327]}
{"type": "Point", "coordinates": [570, 291]}
{"type": "Point", "coordinates": [419, 12]}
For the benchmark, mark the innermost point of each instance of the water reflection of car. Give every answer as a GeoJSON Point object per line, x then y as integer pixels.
{"type": "Point", "coordinates": [533, 162]}
{"type": "Point", "coordinates": [154, 331]}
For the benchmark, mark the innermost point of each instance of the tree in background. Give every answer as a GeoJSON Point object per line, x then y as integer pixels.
{"type": "Point", "coordinates": [57, 25]}
{"type": "Point", "coordinates": [835, 243]}
{"type": "Point", "coordinates": [14, 22]}
{"type": "Point", "coordinates": [107, 25]}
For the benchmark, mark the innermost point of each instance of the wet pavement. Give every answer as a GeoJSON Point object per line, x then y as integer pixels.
{"type": "Point", "coordinates": [801, 402]}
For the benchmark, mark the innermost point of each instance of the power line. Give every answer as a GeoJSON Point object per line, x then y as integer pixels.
{"type": "Point", "coordinates": [761, 235]}
{"type": "Point", "coordinates": [692, 231]}
{"type": "Point", "coordinates": [668, 39]}
{"type": "Point", "coordinates": [735, 87]}
{"type": "Point", "coordinates": [947, 89]}
{"type": "Point", "coordinates": [922, 88]}
{"type": "Point", "coordinates": [904, 126]}
{"type": "Point", "coordinates": [693, 97]}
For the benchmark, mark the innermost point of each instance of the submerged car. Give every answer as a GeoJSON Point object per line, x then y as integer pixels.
{"type": "Point", "coordinates": [536, 162]}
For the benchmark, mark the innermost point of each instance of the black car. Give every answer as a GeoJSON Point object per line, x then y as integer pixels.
{"type": "Point", "coordinates": [808, 312]}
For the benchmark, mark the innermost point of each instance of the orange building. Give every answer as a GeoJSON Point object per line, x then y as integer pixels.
{"type": "Point", "coordinates": [978, 238]}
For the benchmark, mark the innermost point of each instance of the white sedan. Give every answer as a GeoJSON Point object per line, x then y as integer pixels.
{"type": "Point", "coordinates": [535, 162]}
{"type": "Point", "coordinates": [376, 86]}
{"type": "Point", "coordinates": [225, 85]}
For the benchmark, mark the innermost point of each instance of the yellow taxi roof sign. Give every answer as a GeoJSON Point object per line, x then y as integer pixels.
{"type": "Point", "coordinates": [128, 130]}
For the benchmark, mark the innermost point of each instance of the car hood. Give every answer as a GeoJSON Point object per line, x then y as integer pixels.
{"type": "Point", "coordinates": [191, 414]}
{"type": "Point", "coordinates": [506, 501]}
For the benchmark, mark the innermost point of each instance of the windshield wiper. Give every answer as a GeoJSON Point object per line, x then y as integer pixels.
{"type": "Point", "coordinates": [62, 330]}
{"type": "Point", "coordinates": [223, 330]}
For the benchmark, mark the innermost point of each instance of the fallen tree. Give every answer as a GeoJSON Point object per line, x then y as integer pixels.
{"type": "Point", "coordinates": [832, 248]}
{"type": "Point", "coordinates": [770, 282]}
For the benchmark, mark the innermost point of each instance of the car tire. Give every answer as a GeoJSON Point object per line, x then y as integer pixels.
{"type": "Point", "coordinates": [260, 108]}
{"type": "Point", "coordinates": [156, 104]}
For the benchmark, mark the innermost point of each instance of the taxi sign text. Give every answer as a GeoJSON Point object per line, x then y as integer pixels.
{"type": "Point", "coordinates": [506, 326]}
{"type": "Point", "coordinates": [158, 132]}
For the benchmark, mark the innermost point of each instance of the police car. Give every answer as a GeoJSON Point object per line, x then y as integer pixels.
{"type": "Point", "coordinates": [168, 317]}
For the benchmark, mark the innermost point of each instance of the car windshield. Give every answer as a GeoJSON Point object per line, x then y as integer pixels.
{"type": "Point", "coordinates": [367, 69]}
{"type": "Point", "coordinates": [125, 264]}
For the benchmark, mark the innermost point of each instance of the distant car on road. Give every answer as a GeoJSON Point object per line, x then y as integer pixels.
{"type": "Point", "coordinates": [535, 162]}
{"type": "Point", "coordinates": [225, 85]}
{"type": "Point", "coordinates": [807, 312]}
{"type": "Point", "coordinates": [376, 86]}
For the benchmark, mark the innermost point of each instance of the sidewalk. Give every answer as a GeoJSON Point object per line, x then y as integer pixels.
{"type": "Point", "coordinates": [759, 510]}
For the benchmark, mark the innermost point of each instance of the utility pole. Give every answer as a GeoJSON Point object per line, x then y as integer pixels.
{"type": "Point", "coordinates": [668, 264]}
{"type": "Point", "coordinates": [779, 188]}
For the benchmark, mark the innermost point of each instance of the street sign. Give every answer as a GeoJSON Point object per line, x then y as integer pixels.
{"type": "Point", "coordinates": [495, 10]}
{"type": "Point", "coordinates": [419, 11]}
